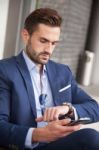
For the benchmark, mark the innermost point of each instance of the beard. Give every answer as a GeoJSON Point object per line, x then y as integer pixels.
{"type": "Point", "coordinates": [37, 57]}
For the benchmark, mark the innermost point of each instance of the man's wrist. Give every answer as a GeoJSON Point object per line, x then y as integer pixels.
{"type": "Point", "coordinates": [28, 140]}
{"type": "Point", "coordinates": [70, 111]}
{"type": "Point", "coordinates": [37, 135]}
{"type": "Point", "coordinates": [34, 136]}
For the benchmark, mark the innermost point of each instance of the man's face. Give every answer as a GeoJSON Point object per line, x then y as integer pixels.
{"type": "Point", "coordinates": [40, 45]}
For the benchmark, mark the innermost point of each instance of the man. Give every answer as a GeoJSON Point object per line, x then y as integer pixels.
{"type": "Point", "coordinates": [35, 92]}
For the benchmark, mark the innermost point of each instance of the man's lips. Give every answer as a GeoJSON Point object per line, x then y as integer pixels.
{"type": "Point", "coordinates": [45, 55]}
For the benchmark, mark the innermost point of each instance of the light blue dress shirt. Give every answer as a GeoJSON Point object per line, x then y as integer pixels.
{"type": "Point", "coordinates": [35, 78]}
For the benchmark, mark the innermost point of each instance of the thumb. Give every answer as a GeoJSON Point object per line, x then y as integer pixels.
{"type": "Point", "coordinates": [39, 119]}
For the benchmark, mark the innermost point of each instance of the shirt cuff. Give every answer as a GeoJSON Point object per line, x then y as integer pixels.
{"type": "Point", "coordinates": [28, 140]}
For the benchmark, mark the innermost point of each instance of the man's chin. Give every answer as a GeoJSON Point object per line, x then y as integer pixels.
{"type": "Point", "coordinates": [43, 62]}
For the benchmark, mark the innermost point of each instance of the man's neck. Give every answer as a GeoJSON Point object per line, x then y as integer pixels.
{"type": "Point", "coordinates": [39, 66]}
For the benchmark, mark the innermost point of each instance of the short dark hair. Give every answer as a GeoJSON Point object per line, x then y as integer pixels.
{"type": "Point", "coordinates": [45, 16]}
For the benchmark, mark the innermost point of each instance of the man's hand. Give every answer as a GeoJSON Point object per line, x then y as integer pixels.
{"type": "Point", "coordinates": [53, 131]}
{"type": "Point", "coordinates": [53, 113]}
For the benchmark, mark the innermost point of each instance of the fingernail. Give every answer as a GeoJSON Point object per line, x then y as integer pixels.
{"type": "Point", "coordinates": [68, 119]}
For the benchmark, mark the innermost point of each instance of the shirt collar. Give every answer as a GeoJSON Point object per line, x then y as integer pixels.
{"type": "Point", "coordinates": [30, 64]}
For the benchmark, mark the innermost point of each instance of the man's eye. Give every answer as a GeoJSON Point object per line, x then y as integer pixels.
{"type": "Point", "coordinates": [54, 43]}
{"type": "Point", "coordinates": [43, 41]}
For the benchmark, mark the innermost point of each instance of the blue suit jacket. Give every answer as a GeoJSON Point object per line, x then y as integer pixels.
{"type": "Point", "coordinates": [17, 103]}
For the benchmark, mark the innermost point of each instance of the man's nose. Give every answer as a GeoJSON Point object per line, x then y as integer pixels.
{"type": "Point", "coordinates": [49, 47]}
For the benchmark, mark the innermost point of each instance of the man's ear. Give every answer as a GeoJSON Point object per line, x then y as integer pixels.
{"type": "Point", "coordinates": [25, 36]}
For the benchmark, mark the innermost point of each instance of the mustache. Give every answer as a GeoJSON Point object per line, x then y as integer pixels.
{"type": "Point", "coordinates": [45, 53]}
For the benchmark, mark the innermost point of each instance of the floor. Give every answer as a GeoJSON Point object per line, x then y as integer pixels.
{"type": "Point", "coordinates": [93, 90]}
{"type": "Point", "coordinates": [93, 126]}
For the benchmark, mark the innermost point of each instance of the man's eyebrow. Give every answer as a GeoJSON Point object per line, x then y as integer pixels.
{"type": "Point", "coordinates": [42, 38]}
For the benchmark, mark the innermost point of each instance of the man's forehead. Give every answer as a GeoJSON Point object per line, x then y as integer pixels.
{"type": "Point", "coordinates": [47, 33]}
{"type": "Point", "coordinates": [44, 27]}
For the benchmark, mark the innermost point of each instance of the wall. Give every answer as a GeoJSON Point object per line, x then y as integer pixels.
{"type": "Point", "coordinates": [4, 5]}
{"type": "Point", "coordinates": [12, 26]}
{"type": "Point", "coordinates": [92, 42]}
{"type": "Point", "coordinates": [12, 15]}
{"type": "Point", "coordinates": [27, 7]}
{"type": "Point", "coordinates": [76, 14]}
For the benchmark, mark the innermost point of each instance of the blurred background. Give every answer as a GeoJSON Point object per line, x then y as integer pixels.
{"type": "Point", "coordinates": [79, 46]}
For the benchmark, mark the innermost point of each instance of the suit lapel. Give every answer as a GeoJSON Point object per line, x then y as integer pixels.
{"type": "Point", "coordinates": [27, 79]}
{"type": "Point", "coordinates": [52, 76]}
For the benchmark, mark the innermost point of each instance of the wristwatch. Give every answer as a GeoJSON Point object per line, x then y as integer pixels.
{"type": "Point", "coordinates": [71, 110]}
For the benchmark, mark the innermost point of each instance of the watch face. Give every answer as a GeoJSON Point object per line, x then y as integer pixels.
{"type": "Point", "coordinates": [67, 104]}
{"type": "Point", "coordinates": [70, 107]}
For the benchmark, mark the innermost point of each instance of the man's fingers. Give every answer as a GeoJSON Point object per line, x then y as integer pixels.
{"type": "Point", "coordinates": [65, 122]}
{"type": "Point", "coordinates": [39, 119]}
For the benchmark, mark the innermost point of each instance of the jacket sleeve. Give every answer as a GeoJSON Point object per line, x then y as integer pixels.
{"type": "Point", "coordinates": [85, 105]}
{"type": "Point", "coordinates": [12, 136]}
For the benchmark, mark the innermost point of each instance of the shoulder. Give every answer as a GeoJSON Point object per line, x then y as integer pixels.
{"type": "Point", "coordinates": [59, 67]}
{"type": "Point", "coordinates": [7, 62]}
{"type": "Point", "coordinates": [59, 70]}
{"type": "Point", "coordinates": [7, 66]}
